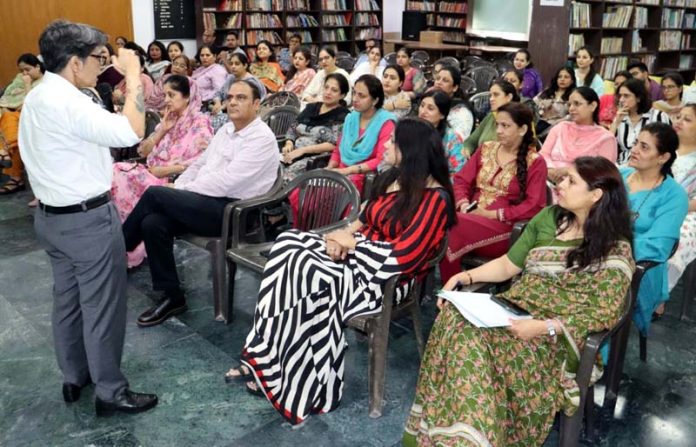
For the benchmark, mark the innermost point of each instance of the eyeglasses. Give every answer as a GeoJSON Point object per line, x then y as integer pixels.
{"type": "Point", "coordinates": [102, 59]}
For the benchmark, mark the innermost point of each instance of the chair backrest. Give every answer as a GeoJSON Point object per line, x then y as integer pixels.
{"type": "Point", "coordinates": [471, 61]}
{"type": "Point", "coordinates": [448, 60]}
{"type": "Point", "coordinates": [481, 104]}
{"type": "Point", "coordinates": [345, 62]}
{"type": "Point", "coordinates": [503, 65]}
{"type": "Point", "coordinates": [421, 56]}
{"type": "Point", "coordinates": [468, 86]}
{"type": "Point", "coordinates": [390, 58]}
{"type": "Point", "coordinates": [343, 54]}
{"type": "Point", "coordinates": [152, 119]}
{"type": "Point", "coordinates": [417, 64]}
{"type": "Point", "coordinates": [280, 99]}
{"type": "Point", "coordinates": [280, 119]}
{"type": "Point", "coordinates": [483, 75]}
{"type": "Point", "coordinates": [325, 198]}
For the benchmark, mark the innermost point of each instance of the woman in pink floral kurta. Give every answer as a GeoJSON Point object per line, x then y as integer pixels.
{"type": "Point", "coordinates": [177, 141]}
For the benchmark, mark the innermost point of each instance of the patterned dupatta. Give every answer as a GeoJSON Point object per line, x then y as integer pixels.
{"type": "Point", "coordinates": [587, 301]}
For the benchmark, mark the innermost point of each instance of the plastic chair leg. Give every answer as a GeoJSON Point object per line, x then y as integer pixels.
{"type": "Point", "coordinates": [643, 348]}
{"type": "Point", "coordinates": [226, 309]}
{"type": "Point", "coordinates": [379, 341]}
{"type": "Point", "coordinates": [216, 249]}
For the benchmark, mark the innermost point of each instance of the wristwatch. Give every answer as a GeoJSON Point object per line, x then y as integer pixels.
{"type": "Point", "coordinates": [551, 328]}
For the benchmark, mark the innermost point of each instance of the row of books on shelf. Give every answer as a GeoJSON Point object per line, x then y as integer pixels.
{"type": "Point", "coordinates": [617, 17]}
{"type": "Point", "coordinates": [611, 45]}
{"type": "Point", "coordinates": [333, 5]}
{"type": "Point", "coordinates": [306, 36]}
{"type": "Point", "coordinates": [229, 5]}
{"type": "Point", "coordinates": [670, 40]}
{"type": "Point", "coordinates": [264, 5]}
{"type": "Point", "coordinates": [689, 21]}
{"type": "Point", "coordinates": [672, 18]}
{"type": "Point", "coordinates": [364, 18]}
{"type": "Point", "coordinates": [460, 7]}
{"type": "Point", "coordinates": [686, 3]}
{"type": "Point", "coordinates": [263, 21]}
{"type": "Point", "coordinates": [368, 33]}
{"type": "Point", "coordinates": [454, 36]}
{"type": "Point", "coordinates": [420, 6]}
{"type": "Point", "coordinates": [686, 41]}
{"type": "Point", "coordinates": [253, 37]}
{"type": "Point", "coordinates": [232, 22]}
{"type": "Point", "coordinates": [302, 20]}
{"type": "Point", "coordinates": [334, 35]}
{"type": "Point", "coordinates": [451, 22]}
{"type": "Point", "coordinates": [649, 2]}
{"type": "Point", "coordinates": [579, 15]}
{"type": "Point", "coordinates": [335, 20]}
{"type": "Point", "coordinates": [640, 19]}
{"type": "Point", "coordinates": [610, 65]}
{"type": "Point", "coordinates": [575, 42]}
{"type": "Point", "coordinates": [366, 5]}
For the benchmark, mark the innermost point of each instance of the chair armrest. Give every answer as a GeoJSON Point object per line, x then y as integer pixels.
{"type": "Point", "coordinates": [517, 230]}
{"type": "Point", "coordinates": [588, 356]}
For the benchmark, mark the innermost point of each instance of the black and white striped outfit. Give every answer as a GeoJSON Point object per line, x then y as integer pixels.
{"type": "Point", "coordinates": [627, 133]}
{"type": "Point", "coordinates": [296, 346]}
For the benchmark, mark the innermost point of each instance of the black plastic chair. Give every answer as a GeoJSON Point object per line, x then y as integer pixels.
{"type": "Point", "coordinates": [503, 65]}
{"type": "Point", "coordinates": [280, 99]}
{"type": "Point", "coordinates": [483, 75]}
{"type": "Point", "coordinates": [324, 198]}
{"type": "Point", "coordinates": [152, 119]}
{"type": "Point", "coordinates": [345, 62]}
{"type": "Point", "coordinates": [471, 61]}
{"type": "Point", "coordinates": [376, 327]}
{"type": "Point", "coordinates": [468, 86]}
{"type": "Point", "coordinates": [448, 61]}
{"type": "Point", "coordinates": [481, 104]}
{"type": "Point", "coordinates": [280, 119]}
{"type": "Point", "coordinates": [390, 58]}
{"type": "Point", "coordinates": [217, 246]}
{"type": "Point", "coordinates": [421, 56]}
{"type": "Point", "coordinates": [688, 287]}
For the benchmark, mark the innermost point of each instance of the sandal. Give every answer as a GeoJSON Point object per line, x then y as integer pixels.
{"type": "Point", "coordinates": [253, 389]}
{"type": "Point", "coordinates": [242, 374]}
{"type": "Point", "coordinates": [12, 186]}
{"type": "Point", "coordinates": [5, 160]}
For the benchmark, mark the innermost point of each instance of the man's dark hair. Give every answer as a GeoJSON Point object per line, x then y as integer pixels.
{"type": "Point", "coordinates": [255, 93]}
{"type": "Point", "coordinates": [61, 40]}
{"type": "Point", "coordinates": [639, 65]}
{"type": "Point", "coordinates": [296, 36]}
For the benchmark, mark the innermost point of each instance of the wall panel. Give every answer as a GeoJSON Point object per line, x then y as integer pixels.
{"type": "Point", "coordinates": [22, 21]}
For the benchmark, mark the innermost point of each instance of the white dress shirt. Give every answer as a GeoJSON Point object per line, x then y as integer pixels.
{"type": "Point", "coordinates": [64, 140]}
{"type": "Point", "coordinates": [238, 165]}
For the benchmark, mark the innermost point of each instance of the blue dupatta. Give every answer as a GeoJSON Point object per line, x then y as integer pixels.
{"type": "Point", "coordinates": [355, 148]}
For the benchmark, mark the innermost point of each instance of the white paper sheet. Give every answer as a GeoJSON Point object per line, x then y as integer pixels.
{"type": "Point", "coordinates": [480, 310]}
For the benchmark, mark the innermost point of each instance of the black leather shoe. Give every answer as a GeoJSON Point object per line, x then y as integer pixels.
{"type": "Point", "coordinates": [167, 307]}
{"type": "Point", "coordinates": [127, 402]}
{"type": "Point", "coordinates": [71, 392]}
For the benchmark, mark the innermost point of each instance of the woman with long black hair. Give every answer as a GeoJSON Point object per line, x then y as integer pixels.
{"type": "Point", "coordinates": [294, 353]}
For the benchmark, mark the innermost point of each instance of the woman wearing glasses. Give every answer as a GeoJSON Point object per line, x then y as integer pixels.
{"type": "Point", "coordinates": [178, 140]}
{"type": "Point", "coordinates": [659, 205]}
{"type": "Point", "coordinates": [182, 66]}
{"type": "Point", "coordinates": [581, 136]}
{"type": "Point", "coordinates": [327, 62]}
{"type": "Point", "coordinates": [673, 90]}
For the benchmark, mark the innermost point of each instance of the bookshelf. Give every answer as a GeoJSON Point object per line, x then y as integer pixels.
{"type": "Point", "coordinates": [448, 16]}
{"type": "Point", "coordinates": [660, 33]}
{"type": "Point", "coordinates": [343, 24]}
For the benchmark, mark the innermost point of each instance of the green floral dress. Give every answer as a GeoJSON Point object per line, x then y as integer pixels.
{"type": "Point", "coordinates": [485, 387]}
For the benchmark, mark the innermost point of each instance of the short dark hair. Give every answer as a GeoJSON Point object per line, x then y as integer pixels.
{"type": "Point", "coordinates": [32, 60]}
{"type": "Point", "coordinates": [175, 43]}
{"type": "Point", "coordinates": [343, 84]}
{"type": "Point", "coordinates": [296, 36]}
{"type": "Point", "coordinates": [232, 33]}
{"type": "Point", "coordinates": [622, 73]}
{"type": "Point", "coordinates": [328, 50]}
{"type": "Point", "coordinates": [589, 95]}
{"type": "Point", "coordinates": [180, 84]}
{"type": "Point", "coordinates": [455, 73]}
{"type": "Point", "coordinates": [255, 93]}
{"type": "Point", "coordinates": [667, 143]}
{"type": "Point", "coordinates": [639, 65]}
{"type": "Point", "coordinates": [242, 58]}
{"type": "Point", "coordinates": [62, 39]}
{"type": "Point", "coordinates": [443, 103]}
{"type": "Point", "coordinates": [374, 88]}
{"type": "Point", "coordinates": [637, 87]}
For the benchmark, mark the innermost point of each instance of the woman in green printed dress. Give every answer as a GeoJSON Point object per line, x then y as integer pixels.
{"type": "Point", "coordinates": [503, 386]}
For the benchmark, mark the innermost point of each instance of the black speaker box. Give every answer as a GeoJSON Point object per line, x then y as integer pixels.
{"type": "Point", "coordinates": [413, 22]}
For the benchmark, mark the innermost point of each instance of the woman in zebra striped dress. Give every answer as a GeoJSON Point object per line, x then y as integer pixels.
{"type": "Point", "coordinates": [313, 284]}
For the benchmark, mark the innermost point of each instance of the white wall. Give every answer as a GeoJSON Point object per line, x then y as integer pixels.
{"type": "Point", "coordinates": [393, 10]}
{"type": "Point", "coordinates": [144, 27]}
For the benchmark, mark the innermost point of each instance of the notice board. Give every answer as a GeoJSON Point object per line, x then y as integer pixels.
{"type": "Point", "coordinates": [174, 19]}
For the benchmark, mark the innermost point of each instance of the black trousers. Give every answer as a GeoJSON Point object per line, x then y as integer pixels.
{"type": "Point", "coordinates": [164, 213]}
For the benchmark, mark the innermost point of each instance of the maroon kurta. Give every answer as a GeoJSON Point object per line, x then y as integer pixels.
{"type": "Point", "coordinates": [495, 187]}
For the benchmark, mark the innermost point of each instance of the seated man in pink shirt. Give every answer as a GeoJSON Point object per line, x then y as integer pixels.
{"type": "Point", "coordinates": [241, 162]}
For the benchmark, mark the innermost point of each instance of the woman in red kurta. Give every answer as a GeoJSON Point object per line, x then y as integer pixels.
{"type": "Point", "coordinates": [313, 285]}
{"type": "Point", "coordinates": [507, 180]}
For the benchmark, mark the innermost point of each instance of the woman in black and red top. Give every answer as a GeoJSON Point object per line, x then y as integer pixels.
{"type": "Point", "coordinates": [312, 284]}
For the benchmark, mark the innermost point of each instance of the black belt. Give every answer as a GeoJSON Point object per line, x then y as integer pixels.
{"type": "Point", "coordinates": [80, 207]}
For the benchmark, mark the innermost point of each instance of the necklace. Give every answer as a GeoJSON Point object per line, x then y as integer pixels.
{"type": "Point", "coordinates": [636, 214]}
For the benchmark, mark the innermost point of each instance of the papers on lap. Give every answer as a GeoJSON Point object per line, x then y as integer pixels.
{"type": "Point", "coordinates": [480, 309]}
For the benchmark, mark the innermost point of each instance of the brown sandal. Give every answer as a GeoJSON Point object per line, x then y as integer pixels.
{"type": "Point", "coordinates": [12, 186]}
{"type": "Point", "coordinates": [243, 374]}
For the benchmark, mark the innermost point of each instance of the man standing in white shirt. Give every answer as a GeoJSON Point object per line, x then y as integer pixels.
{"type": "Point", "coordinates": [64, 140]}
{"type": "Point", "coordinates": [240, 162]}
